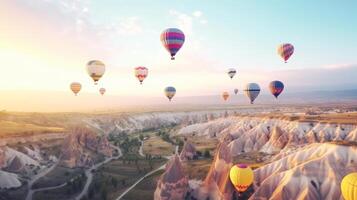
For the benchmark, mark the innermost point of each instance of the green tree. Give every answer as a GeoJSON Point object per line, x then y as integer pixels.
{"type": "Point", "coordinates": [207, 154]}
{"type": "Point", "coordinates": [114, 182]}
{"type": "Point", "coordinates": [141, 137]}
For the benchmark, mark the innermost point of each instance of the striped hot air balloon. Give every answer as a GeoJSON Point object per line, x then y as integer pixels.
{"type": "Point", "coordinates": [252, 91]}
{"type": "Point", "coordinates": [231, 72]}
{"type": "Point", "coordinates": [75, 87]}
{"type": "Point", "coordinates": [285, 51]}
{"type": "Point", "coordinates": [225, 95]}
{"type": "Point", "coordinates": [276, 87]}
{"type": "Point", "coordinates": [95, 69]}
{"type": "Point", "coordinates": [170, 92]}
{"type": "Point", "coordinates": [172, 39]}
{"type": "Point", "coordinates": [235, 91]}
{"type": "Point", "coordinates": [141, 73]}
{"type": "Point", "coordinates": [241, 176]}
{"type": "Point", "coordinates": [102, 91]}
{"type": "Point", "coordinates": [349, 186]}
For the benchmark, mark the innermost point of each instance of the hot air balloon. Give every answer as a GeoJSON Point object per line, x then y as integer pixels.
{"type": "Point", "coordinates": [285, 51]}
{"type": "Point", "coordinates": [225, 95]}
{"type": "Point", "coordinates": [172, 39]}
{"type": "Point", "coordinates": [252, 91]}
{"type": "Point", "coordinates": [141, 73]}
{"type": "Point", "coordinates": [75, 87]}
{"type": "Point", "coordinates": [276, 87]}
{"type": "Point", "coordinates": [231, 72]}
{"type": "Point", "coordinates": [236, 91]}
{"type": "Point", "coordinates": [170, 92]}
{"type": "Point", "coordinates": [95, 69]}
{"type": "Point", "coordinates": [349, 186]}
{"type": "Point", "coordinates": [241, 176]}
{"type": "Point", "coordinates": [102, 91]}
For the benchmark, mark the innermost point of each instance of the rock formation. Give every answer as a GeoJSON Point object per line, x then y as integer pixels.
{"type": "Point", "coordinates": [8, 180]}
{"type": "Point", "coordinates": [271, 135]}
{"type": "Point", "coordinates": [15, 165]}
{"type": "Point", "coordinates": [80, 147]}
{"type": "Point", "coordinates": [217, 184]}
{"type": "Point", "coordinates": [173, 184]}
{"type": "Point", "coordinates": [313, 172]}
{"type": "Point", "coordinates": [188, 151]}
{"type": "Point", "coordinates": [2, 158]}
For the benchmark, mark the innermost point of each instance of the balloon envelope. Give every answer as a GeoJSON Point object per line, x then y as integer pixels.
{"type": "Point", "coordinates": [276, 87]}
{"type": "Point", "coordinates": [225, 95]}
{"type": "Point", "coordinates": [141, 73]}
{"type": "Point", "coordinates": [172, 39]}
{"type": "Point", "coordinates": [236, 91]}
{"type": "Point", "coordinates": [102, 91]}
{"type": "Point", "coordinates": [252, 91]}
{"type": "Point", "coordinates": [285, 51]}
{"type": "Point", "coordinates": [349, 186]}
{"type": "Point", "coordinates": [170, 92]}
{"type": "Point", "coordinates": [231, 72]}
{"type": "Point", "coordinates": [95, 69]}
{"type": "Point", "coordinates": [241, 176]}
{"type": "Point", "coordinates": [75, 87]}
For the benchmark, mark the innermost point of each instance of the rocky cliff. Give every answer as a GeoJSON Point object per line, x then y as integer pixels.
{"type": "Point", "coordinates": [312, 172]}
{"type": "Point", "coordinates": [188, 151]}
{"type": "Point", "coordinates": [81, 146]}
{"type": "Point", "coordinates": [217, 184]}
{"type": "Point", "coordinates": [173, 184]}
{"type": "Point", "coordinates": [271, 135]}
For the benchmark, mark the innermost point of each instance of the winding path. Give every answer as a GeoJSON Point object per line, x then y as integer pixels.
{"type": "Point", "coordinates": [146, 175]}
{"type": "Point", "coordinates": [35, 178]}
{"type": "Point", "coordinates": [141, 149]}
{"type": "Point", "coordinates": [89, 174]}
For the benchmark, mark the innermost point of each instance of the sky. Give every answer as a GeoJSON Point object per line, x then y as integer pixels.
{"type": "Point", "coordinates": [45, 45]}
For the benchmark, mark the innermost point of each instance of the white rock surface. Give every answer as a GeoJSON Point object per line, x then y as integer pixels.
{"type": "Point", "coordinates": [9, 180]}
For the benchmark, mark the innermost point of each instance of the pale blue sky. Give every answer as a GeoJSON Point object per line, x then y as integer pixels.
{"type": "Point", "coordinates": [57, 38]}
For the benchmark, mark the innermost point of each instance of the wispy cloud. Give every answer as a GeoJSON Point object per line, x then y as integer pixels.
{"type": "Point", "coordinates": [186, 21]}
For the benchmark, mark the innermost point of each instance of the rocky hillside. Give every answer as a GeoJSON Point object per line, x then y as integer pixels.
{"type": "Point", "coordinates": [81, 146]}
{"type": "Point", "coordinates": [305, 160]}
{"type": "Point", "coordinates": [271, 135]}
{"type": "Point", "coordinates": [130, 123]}
{"type": "Point", "coordinates": [313, 172]}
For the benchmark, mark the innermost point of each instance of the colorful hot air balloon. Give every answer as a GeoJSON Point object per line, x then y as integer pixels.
{"type": "Point", "coordinates": [231, 72]}
{"type": "Point", "coordinates": [276, 87]}
{"type": "Point", "coordinates": [75, 87]}
{"type": "Point", "coordinates": [170, 92]}
{"type": "Point", "coordinates": [285, 51]}
{"type": "Point", "coordinates": [349, 186]}
{"type": "Point", "coordinates": [102, 91]}
{"type": "Point", "coordinates": [95, 69]}
{"type": "Point", "coordinates": [241, 176]}
{"type": "Point", "coordinates": [236, 91]}
{"type": "Point", "coordinates": [172, 39]}
{"type": "Point", "coordinates": [252, 91]}
{"type": "Point", "coordinates": [141, 73]}
{"type": "Point", "coordinates": [225, 95]}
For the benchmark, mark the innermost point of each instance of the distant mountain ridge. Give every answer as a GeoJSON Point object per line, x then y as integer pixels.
{"type": "Point", "coordinates": [65, 101]}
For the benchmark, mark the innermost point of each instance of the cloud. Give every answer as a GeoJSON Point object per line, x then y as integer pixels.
{"type": "Point", "coordinates": [197, 13]}
{"type": "Point", "coordinates": [186, 21]}
{"type": "Point", "coordinates": [129, 26]}
{"type": "Point", "coordinates": [183, 21]}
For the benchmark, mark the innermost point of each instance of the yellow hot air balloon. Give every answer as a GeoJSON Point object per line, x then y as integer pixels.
{"type": "Point", "coordinates": [75, 87]}
{"type": "Point", "coordinates": [95, 69]}
{"type": "Point", "coordinates": [225, 95]}
{"type": "Point", "coordinates": [241, 176]}
{"type": "Point", "coordinates": [349, 186]}
{"type": "Point", "coordinates": [102, 91]}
